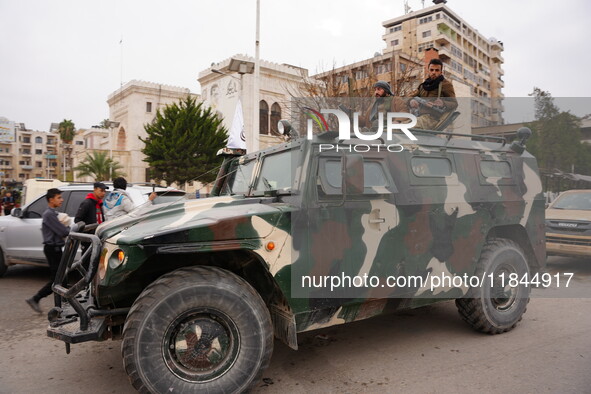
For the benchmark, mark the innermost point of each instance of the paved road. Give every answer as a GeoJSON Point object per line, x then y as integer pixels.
{"type": "Point", "coordinates": [426, 350]}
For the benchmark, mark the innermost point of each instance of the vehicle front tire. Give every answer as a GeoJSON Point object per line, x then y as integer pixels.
{"type": "Point", "coordinates": [197, 329]}
{"type": "Point", "coordinates": [496, 306]}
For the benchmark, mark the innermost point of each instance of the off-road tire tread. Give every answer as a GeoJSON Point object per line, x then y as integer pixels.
{"type": "Point", "coordinates": [470, 307]}
{"type": "Point", "coordinates": [164, 285]}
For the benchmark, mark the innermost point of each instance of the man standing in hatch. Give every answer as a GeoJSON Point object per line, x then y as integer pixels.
{"type": "Point", "coordinates": [439, 94]}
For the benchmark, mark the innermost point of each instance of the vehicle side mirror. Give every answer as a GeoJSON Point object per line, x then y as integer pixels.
{"type": "Point", "coordinates": [16, 212]}
{"type": "Point", "coordinates": [352, 174]}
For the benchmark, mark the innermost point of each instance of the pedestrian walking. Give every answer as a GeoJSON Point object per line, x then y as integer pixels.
{"type": "Point", "coordinates": [54, 233]}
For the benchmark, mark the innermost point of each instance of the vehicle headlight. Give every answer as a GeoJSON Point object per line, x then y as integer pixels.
{"type": "Point", "coordinates": [116, 258]}
{"type": "Point", "coordinates": [103, 264]}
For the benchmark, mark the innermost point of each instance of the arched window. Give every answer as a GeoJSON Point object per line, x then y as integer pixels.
{"type": "Point", "coordinates": [275, 118]}
{"type": "Point", "coordinates": [263, 117]}
{"type": "Point", "coordinates": [121, 139]}
{"type": "Point", "coordinates": [38, 140]}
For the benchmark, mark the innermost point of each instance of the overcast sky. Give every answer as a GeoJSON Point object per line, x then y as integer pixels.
{"type": "Point", "coordinates": [61, 59]}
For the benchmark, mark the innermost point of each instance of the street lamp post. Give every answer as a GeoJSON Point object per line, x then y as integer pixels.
{"type": "Point", "coordinates": [111, 125]}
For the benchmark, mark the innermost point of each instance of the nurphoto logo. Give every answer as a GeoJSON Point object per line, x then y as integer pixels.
{"type": "Point", "coordinates": [393, 122]}
{"type": "Point", "coordinates": [392, 118]}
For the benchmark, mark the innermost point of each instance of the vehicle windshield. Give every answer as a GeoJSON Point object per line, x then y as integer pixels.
{"type": "Point", "coordinates": [239, 176]}
{"type": "Point", "coordinates": [169, 197]}
{"type": "Point", "coordinates": [276, 174]}
{"type": "Point", "coordinates": [581, 201]}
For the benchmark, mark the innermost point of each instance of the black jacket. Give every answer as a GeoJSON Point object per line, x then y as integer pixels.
{"type": "Point", "coordinates": [89, 211]}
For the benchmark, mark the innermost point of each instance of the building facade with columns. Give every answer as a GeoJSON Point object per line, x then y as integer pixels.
{"type": "Point", "coordinates": [132, 106]}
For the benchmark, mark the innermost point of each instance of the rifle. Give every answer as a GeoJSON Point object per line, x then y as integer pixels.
{"type": "Point", "coordinates": [425, 103]}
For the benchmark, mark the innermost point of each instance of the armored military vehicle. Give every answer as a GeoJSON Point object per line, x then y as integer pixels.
{"type": "Point", "coordinates": [311, 233]}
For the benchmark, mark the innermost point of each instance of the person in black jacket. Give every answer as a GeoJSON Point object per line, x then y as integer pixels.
{"type": "Point", "coordinates": [54, 233]}
{"type": "Point", "coordinates": [91, 209]}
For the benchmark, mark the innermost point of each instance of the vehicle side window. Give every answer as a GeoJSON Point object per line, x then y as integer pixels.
{"type": "Point", "coordinates": [431, 166]}
{"type": "Point", "coordinates": [36, 209]}
{"type": "Point", "coordinates": [495, 169]}
{"type": "Point", "coordinates": [375, 179]}
{"type": "Point", "coordinates": [73, 202]}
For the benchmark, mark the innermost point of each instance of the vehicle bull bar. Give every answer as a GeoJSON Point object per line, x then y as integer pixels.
{"type": "Point", "coordinates": [79, 320]}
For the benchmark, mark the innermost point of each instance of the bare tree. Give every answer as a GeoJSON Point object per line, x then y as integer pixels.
{"type": "Point", "coordinates": [346, 86]}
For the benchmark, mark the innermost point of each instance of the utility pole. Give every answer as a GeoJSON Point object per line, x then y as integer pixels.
{"type": "Point", "coordinates": [256, 84]}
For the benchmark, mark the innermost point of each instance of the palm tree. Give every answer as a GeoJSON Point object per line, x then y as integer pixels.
{"type": "Point", "coordinates": [67, 131]}
{"type": "Point", "coordinates": [99, 166]}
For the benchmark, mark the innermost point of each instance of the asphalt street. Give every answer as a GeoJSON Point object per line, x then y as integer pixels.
{"type": "Point", "coordinates": [427, 350]}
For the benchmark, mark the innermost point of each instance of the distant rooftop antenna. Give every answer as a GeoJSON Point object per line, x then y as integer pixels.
{"type": "Point", "coordinates": [439, 1]}
{"type": "Point", "coordinates": [423, 3]}
{"type": "Point", "coordinates": [406, 7]}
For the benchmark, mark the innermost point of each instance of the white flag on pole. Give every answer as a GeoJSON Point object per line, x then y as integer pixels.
{"type": "Point", "coordinates": [237, 139]}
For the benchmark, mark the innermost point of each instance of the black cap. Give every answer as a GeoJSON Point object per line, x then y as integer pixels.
{"type": "Point", "coordinates": [100, 185]}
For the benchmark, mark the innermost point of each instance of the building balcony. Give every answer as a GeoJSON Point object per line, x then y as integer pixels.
{"type": "Point", "coordinates": [25, 143]}
{"type": "Point", "coordinates": [6, 167]}
{"type": "Point", "coordinates": [442, 39]}
{"type": "Point", "coordinates": [496, 45]}
{"type": "Point", "coordinates": [51, 157]}
{"type": "Point", "coordinates": [496, 57]}
{"type": "Point", "coordinates": [24, 167]}
{"type": "Point", "coordinates": [444, 53]}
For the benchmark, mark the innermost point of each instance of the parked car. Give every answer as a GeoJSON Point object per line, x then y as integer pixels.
{"type": "Point", "coordinates": [568, 224]}
{"type": "Point", "coordinates": [20, 233]}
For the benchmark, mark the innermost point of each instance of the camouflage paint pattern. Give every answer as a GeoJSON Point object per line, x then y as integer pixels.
{"type": "Point", "coordinates": [407, 223]}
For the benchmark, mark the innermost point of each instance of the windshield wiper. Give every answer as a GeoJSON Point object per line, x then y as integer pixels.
{"type": "Point", "coordinates": [267, 184]}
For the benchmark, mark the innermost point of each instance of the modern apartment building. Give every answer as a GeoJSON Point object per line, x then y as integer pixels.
{"type": "Point", "coordinates": [469, 56]}
{"type": "Point", "coordinates": [26, 154]}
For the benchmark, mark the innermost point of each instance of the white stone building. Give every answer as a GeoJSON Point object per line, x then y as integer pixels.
{"type": "Point", "coordinates": [221, 89]}
{"type": "Point", "coordinates": [132, 106]}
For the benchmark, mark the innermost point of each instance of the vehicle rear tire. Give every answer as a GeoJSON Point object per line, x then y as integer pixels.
{"type": "Point", "coordinates": [495, 306]}
{"type": "Point", "coordinates": [197, 329]}
{"type": "Point", "coordinates": [3, 266]}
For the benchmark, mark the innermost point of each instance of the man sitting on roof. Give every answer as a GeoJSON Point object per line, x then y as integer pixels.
{"type": "Point", "coordinates": [434, 98]}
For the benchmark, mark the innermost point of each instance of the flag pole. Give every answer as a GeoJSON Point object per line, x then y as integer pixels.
{"type": "Point", "coordinates": [257, 72]}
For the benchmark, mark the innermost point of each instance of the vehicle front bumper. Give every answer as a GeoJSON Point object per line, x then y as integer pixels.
{"type": "Point", "coordinates": [568, 245]}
